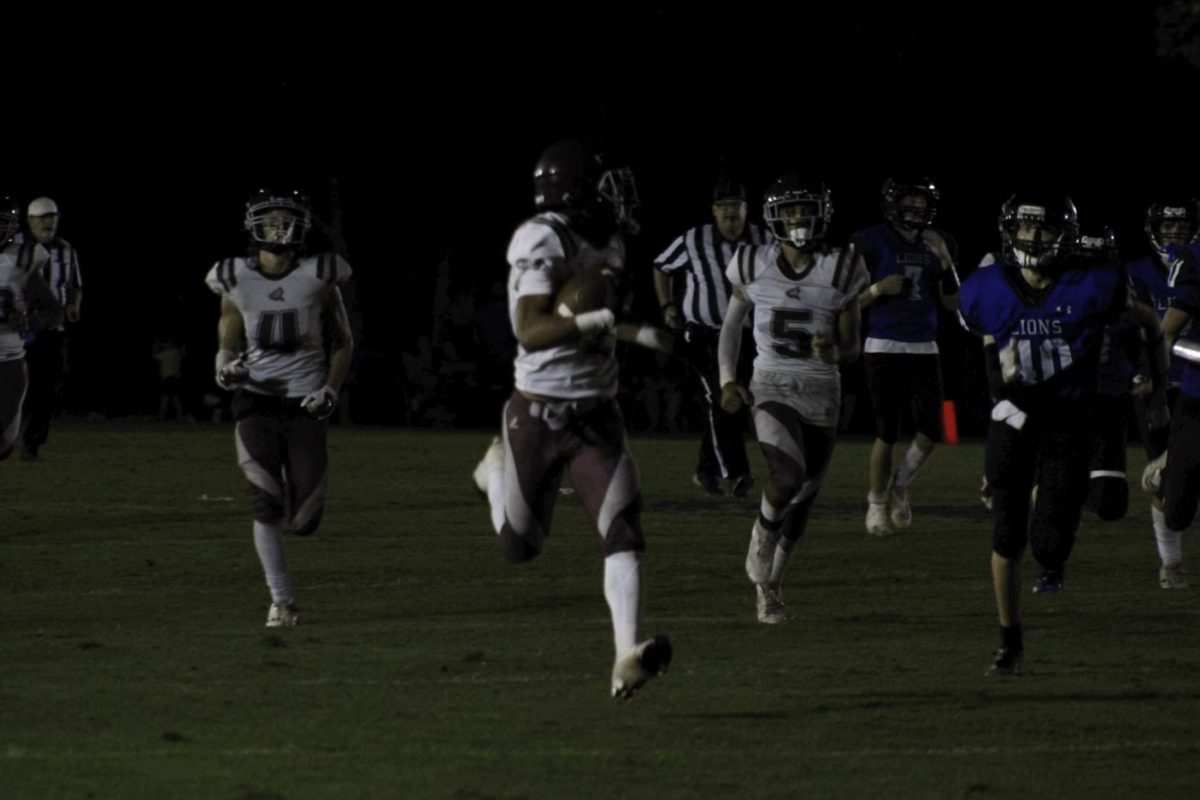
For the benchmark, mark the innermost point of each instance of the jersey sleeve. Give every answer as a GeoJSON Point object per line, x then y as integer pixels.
{"type": "Point", "coordinates": [866, 248]}
{"type": "Point", "coordinates": [1185, 283]}
{"type": "Point", "coordinates": [536, 254]}
{"type": "Point", "coordinates": [220, 278]}
{"type": "Point", "coordinates": [740, 269]}
{"type": "Point", "coordinates": [674, 257]}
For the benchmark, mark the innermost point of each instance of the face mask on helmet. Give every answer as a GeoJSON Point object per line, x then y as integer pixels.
{"type": "Point", "coordinates": [1036, 233]}
{"type": "Point", "coordinates": [796, 213]}
{"type": "Point", "coordinates": [278, 222]}
{"type": "Point", "coordinates": [618, 187]}
{"type": "Point", "coordinates": [1172, 225]}
{"type": "Point", "coordinates": [10, 215]}
{"type": "Point", "coordinates": [910, 204]}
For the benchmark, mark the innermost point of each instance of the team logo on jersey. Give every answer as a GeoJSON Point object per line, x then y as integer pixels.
{"type": "Point", "coordinates": [277, 295]}
{"type": "Point", "coordinates": [794, 293]}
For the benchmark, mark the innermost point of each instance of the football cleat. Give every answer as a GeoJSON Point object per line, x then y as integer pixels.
{"type": "Point", "coordinates": [1051, 580]}
{"type": "Point", "coordinates": [741, 485]}
{"type": "Point", "coordinates": [769, 603]}
{"type": "Point", "coordinates": [711, 484]}
{"type": "Point", "coordinates": [1006, 662]}
{"type": "Point", "coordinates": [649, 659]}
{"type": "Point", "coordinates": [899, 511]}
{"type": "Point", "coordinates": [761, 554]}
{"type": "Point", "coordinates": [492, 460]}
{"type": "Point", "coordinates": [283, 615]}
{"type": "Point", "coordinates": [1152, 475]}
{"type": "Point", "coordinates": [1172, 576]}
{"type": "Point", "coordinates": [877, 519]}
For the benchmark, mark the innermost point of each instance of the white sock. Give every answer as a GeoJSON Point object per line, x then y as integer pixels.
{"type": "Point", "coordinates": [774, 516]}
{"type": "Point", "coordinates": [1170, 543]}
{"type": "Point", "coordinates": [914, 459]}
{"type": "Point", "coordinates": [496, 498]}
{"type": "Point", "coordinates": [876, 499]}
{"type": "Point", "coordinates": [623, 591]}
{"type": "Point", "coordinates": [783, 554]}
{"type": "Point", "coordinates": [268, 541]}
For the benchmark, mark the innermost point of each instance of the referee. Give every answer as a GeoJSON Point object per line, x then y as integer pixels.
{"type": "Point", "coordinates": [700, 256]}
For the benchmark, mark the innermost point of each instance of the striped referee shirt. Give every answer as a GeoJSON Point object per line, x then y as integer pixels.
{"type": "Point", "coordinates": [704, 253]}
{"type": "Point", "coordinates": [61, 273]}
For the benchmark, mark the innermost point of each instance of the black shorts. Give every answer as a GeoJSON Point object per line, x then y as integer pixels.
{"type": "Point", "coordinates": [906, 390]}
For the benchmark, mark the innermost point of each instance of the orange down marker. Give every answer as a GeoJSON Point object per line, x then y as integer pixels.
{"type": "Point", "coordinates": [949, 422]}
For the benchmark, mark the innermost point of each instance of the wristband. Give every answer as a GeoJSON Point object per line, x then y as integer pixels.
{"type": "Point", "coordinates": [599, 321]}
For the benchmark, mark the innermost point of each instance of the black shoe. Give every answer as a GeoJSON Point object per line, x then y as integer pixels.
{"type": "Point", "coordinates": [1051, 580]}
{"type": "Point", "coordinates": [1007, 662]}
{"type": "Point", "coordinates": [709, 483]}
{"type": "Point", "coordinates": [741, 485]}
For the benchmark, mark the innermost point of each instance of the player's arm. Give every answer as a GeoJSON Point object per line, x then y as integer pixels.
{"type": "Point", "coordinates": [539, 326]}
{"type": "Point", "coordinates": [73, 304]}
{"type": "Point", "coordinates": [231, 372]}
{"type": "Point", "coordinates": [884, 287]}
{"type": "Point", "coordinates": [733, 395]}
{"type": "Point", "coordinates": [342, 344]}
{"type": "Point", "coordinates": [948, 282]}
{"type": "Point", "coordinates": [844, 346]}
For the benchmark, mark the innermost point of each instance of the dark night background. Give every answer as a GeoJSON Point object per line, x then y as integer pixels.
{"type": "Point", "coordinates": [418, 141]}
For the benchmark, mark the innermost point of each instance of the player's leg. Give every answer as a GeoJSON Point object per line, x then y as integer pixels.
{"type": "Point", "coordinates": [522, 493]}
{"type": "Point", "coordinates": [606, 481]}
{"type": "Point", "coordinates": [44, 357]}
{"type": "Point", "coordinates": [923, 386]}
{"type": "Point", "coordinates": [1062, 469]}
{"type": "Point", "coordinates": [1181, 482]}
{"type": "Point", "coordinates": [1012, 455]}
{"type": "Point", "coordinates": [886, 402]}
{"type": "Point", "coordinates": [13, 382]}
{"type": "Point", "coordinates": [1108, 485]}
{"type": "Point", "coordinates": [258, 435]}
{"type": "Point", "coordinates": [306, 466]}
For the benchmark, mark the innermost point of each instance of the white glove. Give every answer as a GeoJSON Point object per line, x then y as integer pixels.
{"type": "Point", "coordinates": [321, 403]}
{"type": "Point", "coordinates": [232, 371]}
{"type": "Point", "coordinates": [1010, 368]}
{"type": "Point", "coordinates": [1006, 412]}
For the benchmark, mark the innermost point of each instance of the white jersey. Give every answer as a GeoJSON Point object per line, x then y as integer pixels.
{"type": "Point", "coordinates": [285, 349]}
{"type": "Point", "coordinates": [790, 307]}
{"type": "Point", "coordinates": [18, 262]}
{"type": "Point", "coordinates": [544, 254]}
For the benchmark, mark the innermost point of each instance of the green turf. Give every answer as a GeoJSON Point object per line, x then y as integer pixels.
{"type": "Point", "coordinates": [134, 662]}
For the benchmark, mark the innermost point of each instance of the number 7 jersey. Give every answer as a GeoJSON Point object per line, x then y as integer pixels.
{"type": "Point", "coordinates": [285, 347]}
{"type": "Point", "coordinates": [791, 307]}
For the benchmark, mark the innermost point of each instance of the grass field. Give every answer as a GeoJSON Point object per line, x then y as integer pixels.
{"type": "Point", "coordinates": [134, 662]}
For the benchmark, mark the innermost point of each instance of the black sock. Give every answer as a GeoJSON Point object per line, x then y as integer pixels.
{"type": "Point", "coordinates": [1010, 637]}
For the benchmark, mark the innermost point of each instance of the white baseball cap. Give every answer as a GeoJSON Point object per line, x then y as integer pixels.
{"type": "Point", "coordinates": [43, 206]}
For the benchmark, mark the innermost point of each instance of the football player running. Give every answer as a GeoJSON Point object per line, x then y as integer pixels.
{"type": "Point", "coordinates": [801, 293]}
{"type": "Point", "coordinates": [1171, 225]}
{"type": "Point", "coordinates": [1043, 315]}
{"type": "Point", "coordinates": [20, 264]}
{"type": "Point", "coordinates": [912, 266]}
{"type": "Point", "coordinates": [563, 412]}
{"type": "Point", "coordinates": [1174, 476]}
{"type": "Point", "coordinates": [274, 303]}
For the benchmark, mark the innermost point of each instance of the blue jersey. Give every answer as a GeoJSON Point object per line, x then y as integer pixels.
{"type": "Point", "coordinates": [912, 315]}
{"type": "Point", "coordinates": [1149, 278]}
{"type": "Point", "coordinates": [1056, 333]}
{"type": "Point", "coordinates": [1184, 281]}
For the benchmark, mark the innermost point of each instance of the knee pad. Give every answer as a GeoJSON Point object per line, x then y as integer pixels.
{"type": "Point", "coordinates": [1007, 542]}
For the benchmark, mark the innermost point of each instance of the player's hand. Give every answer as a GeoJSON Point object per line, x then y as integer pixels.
{"type": "Point", "coordinates": [321, 403]}
{"type": "Point", "coordinates": [672, 317]}
{"type": "Point", "coordinates": [825, 349]}
{"type": "Point", "coordinates": [891, 285]}
{"type": "Point", "coordinates": [232, 371]}
{"type": "Point", "coordinates": [938, 245]}
{"type": "Point", "coordinates": [734, 396]}
{"type": "Point", "coordinates": [647, 336]}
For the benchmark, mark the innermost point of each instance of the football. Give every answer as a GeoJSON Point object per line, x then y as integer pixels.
{"type": "Point", "coordinates": [589, 290]}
